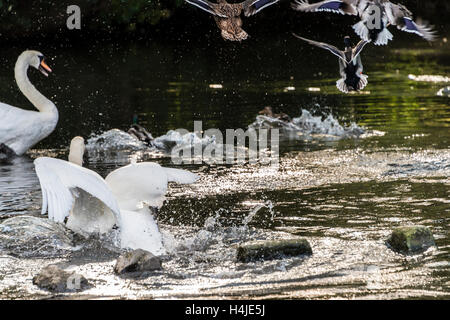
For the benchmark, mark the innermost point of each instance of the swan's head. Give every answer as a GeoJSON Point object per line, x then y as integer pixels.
{"type": "Point", "coordinates": [77, 151]}
{"type": "Point", "coordinates": [37, 60]}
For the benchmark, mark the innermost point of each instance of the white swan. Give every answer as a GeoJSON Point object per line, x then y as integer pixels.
{"type": "Point", "coordinates": [21, 129]}
{"type": "Point", "coordinates": [94, 205]}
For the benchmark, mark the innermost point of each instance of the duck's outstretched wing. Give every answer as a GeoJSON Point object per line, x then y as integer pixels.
{"type": "Point", "coordinates": [358, 48]}
{"type": "Point", "coordinates": [336, 6]}
{"type": "Point", "coordinates": [58, 178]}
{"type": "Point", "coordinates": [325, 46]}
{"type": "Point", "coordinates": [145, 182]}
{"type": "Point", "coordinates": [401, 17]}
{"type": "Point", "coordinates": [252, 7]}
{"type": "Point", "coordinates": [207, 6]}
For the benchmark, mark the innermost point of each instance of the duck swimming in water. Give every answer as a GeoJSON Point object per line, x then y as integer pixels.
{"type": "Point", "coordinates": [21, 129]}
{"type": "Point", "coordinates": [375, 15]}
{"type": "Point", "coordinates": [350, 65]}
{"type": "Point", "coordinates": [93, 205]}
{"type": "Point", "coordinates": [140, 133]}
{"type": "Point", "coordinates": [227, 15]}
{"type": "Point", "coordinates": [268, 111]}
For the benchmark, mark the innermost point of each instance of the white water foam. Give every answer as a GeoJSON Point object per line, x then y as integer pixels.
{"type": "Point", "coordinates": [444, 92]}
{"type": "Point", "coordinates": [118, 140]}
{"type": "Point", "coordinates": [429, 78]}
{"type": "Point", "coordinates": [309, 126]}
{"type": "Point", "coordinates": [114, 139]}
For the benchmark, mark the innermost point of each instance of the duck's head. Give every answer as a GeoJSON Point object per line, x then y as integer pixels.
{"type": "Point", "coordinates": [347, 42]}
{"type": "Point", "coordinates": [37, 61]}
{"type": "Point", "coordinates": [267, 111]}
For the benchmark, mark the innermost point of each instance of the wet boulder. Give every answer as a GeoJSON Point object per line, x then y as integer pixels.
{"type": "Point", "coordinates": [55, 279]}
{"type": "Point", "coordinates": [27, 236]}
{"type": "Point", "coordinates": [267, 250]}
{"type": "Point", "coordinates": [411, 239]}
{"type": "Point", "coordinates": [137, 261]}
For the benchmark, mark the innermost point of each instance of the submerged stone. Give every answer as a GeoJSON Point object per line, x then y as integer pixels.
{"type": "Point", "coordinates": [55, 279]}
{"type": "Point", "coordinates": [137, 261]}
{"type": "Point", "coordinates": [411, 239]}
{"type": "Point", "coordinates": [267, 250]}
{"type": "Point", "coordinates": [28, 236]}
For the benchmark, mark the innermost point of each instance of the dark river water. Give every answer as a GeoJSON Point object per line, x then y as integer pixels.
{"type": "Point", "coordinates": [343, 192]}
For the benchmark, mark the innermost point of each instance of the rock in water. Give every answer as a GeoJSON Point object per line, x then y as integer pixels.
{"type": "Point", "coordinates": [273, 249]}
{"type": "Point", "coordinates": [27, 236]}
{"type": "Point", "coordinates": [55, 279]}
{"type": "Point", "coordinates": [411, 239]}
{"type": "Point", "coordinates": [137, 261]}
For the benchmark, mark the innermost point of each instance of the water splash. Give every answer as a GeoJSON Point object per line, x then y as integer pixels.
{"type": "Point", "coordinates": [114, 139]}
{"type": "Point", "coordinates": [173, 139]}
{"type": "Point", "coordinates": [118, 140]}
{"type": "Point", "coordinates": [429, 78]}
{"type": "Point", "coordinates": [308, 126]}
{"type": "Point", "coordinates": [444, 92]}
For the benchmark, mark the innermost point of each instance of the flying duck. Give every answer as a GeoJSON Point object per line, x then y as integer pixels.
{"type": "Point", "coordinates": [373, 26]}
{"type": "Point", "coordinates": [350, 65]}
{"type": "Point", "coordinates": [227, 15]}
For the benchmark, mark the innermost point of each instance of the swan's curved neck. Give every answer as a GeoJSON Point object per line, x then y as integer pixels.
{"type": "Point", "coordinates": [36, 98]}
{"type": "Point", "coordinates": [77, 151]}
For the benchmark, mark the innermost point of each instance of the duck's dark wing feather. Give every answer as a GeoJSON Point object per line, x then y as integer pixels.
{"type": "Point", "coordinates": [207, 6]}
{"type": "Point", "coordinates": [358, 48]}
{"type": "Point", "coordinates": [401, 17]}
{"type": "Point", "coordinates": [325, 46]}
{"type": "Point", "coordinates": [254, 6]}
{"type": "Point", "coordinates": [336, 6]}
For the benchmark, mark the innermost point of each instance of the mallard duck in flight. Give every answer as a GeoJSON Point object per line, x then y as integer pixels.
{"type": "Point", "coordinates": [350, 65]}
{"type": "Point", "coordinates": [373, 26]}
{"type": "Point", "coordinates": [227, 15]}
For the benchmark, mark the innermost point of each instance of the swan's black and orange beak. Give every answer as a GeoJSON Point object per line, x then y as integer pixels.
{"type": "Point", "coordinates": [44, 68]}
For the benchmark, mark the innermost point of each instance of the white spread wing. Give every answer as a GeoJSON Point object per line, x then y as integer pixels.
{"type": "Point", "coordinates": [58, 178]}
{"type": "Point", "coordinates": [144, 182]}
{"type": "Point", "coordinates": [180, 176]}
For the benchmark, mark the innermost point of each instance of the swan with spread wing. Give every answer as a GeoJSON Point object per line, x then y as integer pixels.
{"type": "Point", "coordinates": [21, 129]}
{"type": "Point", "coordinates": [93, 205]}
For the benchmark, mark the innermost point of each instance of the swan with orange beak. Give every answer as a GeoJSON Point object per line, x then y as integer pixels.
{"type": "Point", "coordinates": [21, 129]}
{"type": "Point", "coordinates": [43, 67]}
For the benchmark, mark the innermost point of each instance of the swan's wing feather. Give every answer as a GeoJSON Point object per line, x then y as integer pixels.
{"type": "Point", "coordinates": [325, 46]}
{"type": "Point", "coordinates": [56, 197]}
{"type": "Point", "coordinates": [58, 178]}
{"type": "Point", "coordinates": [144, 182]}
{"type": "Point", "coordinates": [180, 176]}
